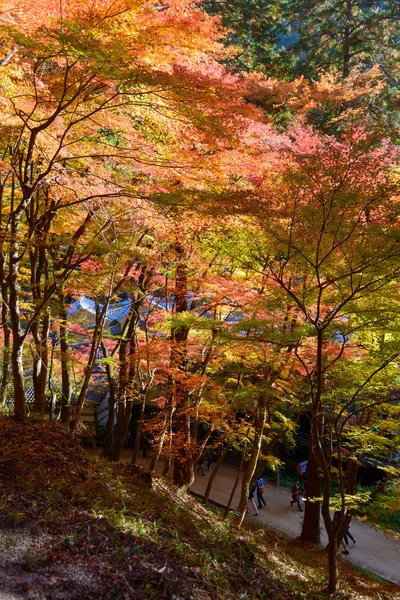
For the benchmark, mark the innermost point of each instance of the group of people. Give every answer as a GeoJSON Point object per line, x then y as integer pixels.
{"type": "Point", "coordinates": [258, 488]}
{"type": "Point", "coordinates": [206, 458]}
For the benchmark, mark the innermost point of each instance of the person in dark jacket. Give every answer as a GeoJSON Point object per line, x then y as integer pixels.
{"type": "Point", "coordinates": [296, 495]}
{"type": "Point", "coordinates": [251, 498]}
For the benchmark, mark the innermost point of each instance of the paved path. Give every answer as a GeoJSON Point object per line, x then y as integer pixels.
{"type": "Point", "coordinates": [374, 550]}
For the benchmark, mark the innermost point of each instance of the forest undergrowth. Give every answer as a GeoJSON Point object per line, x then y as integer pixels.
{"type": "Point", "coordinates": [74, 526]}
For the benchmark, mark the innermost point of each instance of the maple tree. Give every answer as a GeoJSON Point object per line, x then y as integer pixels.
{"type": "Point", "coordinates": [327, 240]}
{"type": "Point", "coordinates": [261, 262]}
{"type": "Point", "coordinates": [99, 121]}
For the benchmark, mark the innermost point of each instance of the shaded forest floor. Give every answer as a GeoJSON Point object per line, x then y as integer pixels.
{"type": "Point", "coordinates": [73, 526]}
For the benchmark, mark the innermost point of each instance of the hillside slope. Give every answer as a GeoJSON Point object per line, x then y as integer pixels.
{"type": "Point", "coordinates": [73, 526]}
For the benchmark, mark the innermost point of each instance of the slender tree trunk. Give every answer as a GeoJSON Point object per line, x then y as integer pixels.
{"type": "Point", "coordinates": [190, 475]}
{"type": "Point", "coordinates": [125, 401]}
{"type": "Point", "coordinates": [138, 432]}
{"type": "Point", "coordinates": [6, 332]}
{"type": "Point", "coordinates": [311, 530]}
{"type": "Point", "coordinates": [214, 474]}
{"type": "Point", "coordinates": [179, 337]}
{"type": "Point", "coordinates": [18, 377]}
{"type": "Point", "coordinates": [40, 363]}
{"type": "Point", "coordinates": [112, 399]}
{"type": "Point", "coordinates": [228, 506]}
{"type": "Point", "coordinates": [157, 452]}
{"type": "Point", "coordinates": [127, 358]}
{"type": "Point", "coordinates": [255, 453]}
{"type": "Point", "coordinates": [109, 436]}
{"type": "Point", "coordinates": [97, 333]}
{"type": "Point", "coordinates": [351, 475]}
{"type": "Point", "coordinates": [332, 564]}
{"type": "Point", "coordinates": [17, 334]}
{"type": "Point", "coordinates": [123, 421]}
{"type": "Point", "coordinates": [50, 383]}
{"type": "Point", "coordinates": [4, 304]}
{"type": "Point", "coordinates": [66, 387]}
{"type": "Point", "coordinates": [168, 432]}
{"type": "Point", "coordinates": [316, 460]}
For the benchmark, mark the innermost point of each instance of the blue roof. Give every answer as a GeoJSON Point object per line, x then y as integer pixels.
{"type": "Point", "coordinates": [115, 312]}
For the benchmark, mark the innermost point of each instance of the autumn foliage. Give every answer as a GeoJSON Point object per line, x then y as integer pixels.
{"type": "Point", "coordinates": [244, 226]}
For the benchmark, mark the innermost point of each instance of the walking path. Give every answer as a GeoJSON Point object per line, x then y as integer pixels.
{"type": "Point", "coordinates": [374, 550]}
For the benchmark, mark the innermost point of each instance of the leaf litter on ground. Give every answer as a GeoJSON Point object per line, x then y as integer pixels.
{"type": "Point", "coordinates": [75, 526]}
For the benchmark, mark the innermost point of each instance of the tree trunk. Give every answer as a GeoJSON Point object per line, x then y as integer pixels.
{"type": "Point", "coordinates": [123, 421]}
{"type": "Point", "coordinates": [332, 564]}
{"type": "Point", "coordinates": [214, 474]}
{"type": "Point", "coordinates": [112, 399]}
{"type": "Point", "coordinates": [66, 387]}
{"type": "Point", "coordinates": [109, 436]}
{"type": "Point", "coordinates": [157, 453]}
{"type": "Point", "coordinates": [40, 364]}
{"type": "Point", "coordinates": [4, 304]}
{"type": "Point", "coordinates": [97, 334]}
{"type": "Point", "coordinates": [190, 475]}
{"type": "Point", "coordinates": [138, 432]}
{"type": "Point", "coordinates": [50, 383]}
{"type": "Point", "coordinates": [18, 379]}
{"type": "Point", "coordinates": [125, 402]}
{"type": "Point", "coordinates": [311, 530]}
{"type": "Point", "coordinates": [251, 467]}
{"type": "Point", "coordinates": [228, 506]}
{"type": "Point", "coordinates": [316, 459]}
{"type": "Point", "coordinates": [17, 334]}
{"type": "Point", "coordinates": [6, 332]}
{"type": "Point", "coordinates": [179, 335]}
{"type": "Point", "coordinates": [127, 352]}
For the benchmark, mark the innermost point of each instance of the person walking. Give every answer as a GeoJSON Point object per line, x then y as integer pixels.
{"type": "Point", "coordinates": [345, 541]}
{"type": "Point", "coordinates": [251, 498]}
{"type": "Point", "coordinates": [296, 495]}
{"type": "Point", "coordinates": [209, 460]}
{"type": "Point", "coordinates": [349, 535]}
{"type": "Point", "coordinates": [199, 466]}
{"type": "Point", "coordinates": [260, 485]}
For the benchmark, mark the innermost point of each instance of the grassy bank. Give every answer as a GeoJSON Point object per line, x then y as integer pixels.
{"type": "Point", "coordinates": [76, 526]}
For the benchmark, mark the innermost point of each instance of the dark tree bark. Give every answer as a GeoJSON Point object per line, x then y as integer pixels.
{"type": "Point", "coordinates": [214, 473]}
{"type": "Point", "coordinates": [112, 399]}
{"type": "Point", "coordinates": [179, 335]}
{"type": "Point", "coordinates": [138, 432]}
{"type": "Point", "coordinates": [240, 470]}
{"type": "Point", "coordinates": [4, 309]}
{"type": "Point", "coordinates": [311, 529]}
{"type": "Point", "coordinates": [125, 392]}
{"type": "Point", "coordinates": [17, 333]}
{"type": "Point", "coordinates": [66, 387]}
